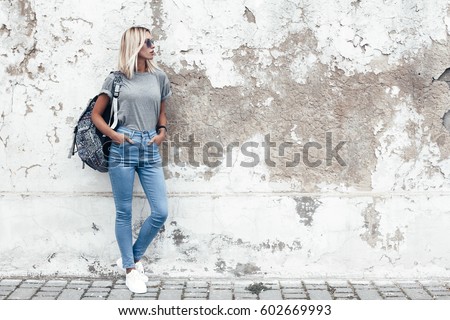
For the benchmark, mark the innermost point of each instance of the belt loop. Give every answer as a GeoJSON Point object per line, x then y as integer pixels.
{"type": "Point", "coordinates": [132, 134]}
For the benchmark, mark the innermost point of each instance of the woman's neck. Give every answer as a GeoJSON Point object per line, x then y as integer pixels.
{"type": "Point", "coordinates": [141, 65]}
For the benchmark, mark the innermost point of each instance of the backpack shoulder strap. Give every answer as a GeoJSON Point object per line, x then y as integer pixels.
{"type": "Point", "coordinates": [117, 83]}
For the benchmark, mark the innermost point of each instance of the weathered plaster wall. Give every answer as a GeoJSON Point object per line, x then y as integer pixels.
{"type": "Point", "coordinates": [360, 73]}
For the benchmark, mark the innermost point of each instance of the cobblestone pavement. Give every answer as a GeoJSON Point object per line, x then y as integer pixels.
{"type": "Point", "coordinates": [223, 289]}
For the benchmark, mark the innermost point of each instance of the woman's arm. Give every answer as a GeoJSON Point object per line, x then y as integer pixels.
{"type": "Point", "coordinates": [99, 122]}
{"type": "Point", "coordinates": [162, 121]}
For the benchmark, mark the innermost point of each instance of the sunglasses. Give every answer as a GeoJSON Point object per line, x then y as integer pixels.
{"type": "Point", "coordinates": [149, 42]}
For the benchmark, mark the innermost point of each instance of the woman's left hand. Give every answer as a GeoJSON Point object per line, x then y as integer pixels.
{"type": "Point", "coordinates": [158, 139]}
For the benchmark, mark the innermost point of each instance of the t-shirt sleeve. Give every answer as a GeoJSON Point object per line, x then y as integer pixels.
{"type": "Point", "coordinates": [107, 86]}
{"type": "Point", "coordinates": [165, 87]}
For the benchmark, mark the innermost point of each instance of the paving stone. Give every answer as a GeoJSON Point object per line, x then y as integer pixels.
{"type": "Point", "coordinates": [94, 298]}
{"type": "Point", "coordinates": [289, 291]}
{"type": "Point", "coordinates": [241, 289]}
{"type": "Point", "coordinates": [319, 295]}
{"type": "Point", "coordinates": [295, 296]}
{"type": "Point", "coordinates": [42, 298]}
{"type": "Point", "coordinates": [410, 286]}
{"type": "Point", "coordinates": [437, 289]}
{"type": "Point", "coordinates": [291, 284]}
{"type": "Point", "coordinates": [344, 295]}
{"type": "Point", "coordinates": [172, 287]}
{"type": "Point", "coordinates": [368, 294]}
{"type": "Point", "coordinates": [389, 289]}
{"type": "Point", "coordinates": [31, 285]}
{"type": "Point", "coordinates": [3, 297]}
{"type": "Point", "coordinates": [430, 283]}
{"type": "Point", "coordinates": [417, 294]}
{"type": "Point", "coordinates": [245, 296]}
{"type": "Point", "coordinates": [56, 283]}
{"type": "Point", "coordinates": [396, 298]}
{"type": "Point", "coordinates": [170, 295]}
{"type": "Point", "coordinates": [221, 284]}
{"type": "Point", "coordinates": [364, 286]}
{"type": "Point", "coordinates": [147, 294]}
{"type": "Point", "coordinates": [95, 294]}
{"type": "Point", "coordinates": [153, 283]}
{"type": "Point", "coordinates": [392, 294]}
{"type": "Point", "coordinates": [270, 295]}
{"type": "Point", "coordinates": [104, 284]}
{"type": "Point", "coordinates": [146, 298]}
{"type": "Point", "coordinates": [197, 284]}
{"type": "Point", "coordinates": [316, 287]}
{"type": "Point", "coordinates": [440, 293]}
{"type": "Point", "coordinates": [51, 289]}
{"type": "Point", "coordinates": [273, 285]}
{"type": "Point", "coordinates": [384, 283]}
{"type": "Point", "coordinates": [195, 295]}
{"type": "Point", "coordinates": [442, 297]}
{"type": "Point", "coordinates": [243, 283]}
{"type": "Point", "coordinates": [341, 290]}
{"type": "Point", "coordinates": [51, 294]}
{"type": "Point", "coordinates": [70, 294]}
{"type": "Point", "coordinates": [120, 294]}
{"type": "Point", "coordinates": [10, 282]}
{"type": "Point", "coordinates": [220, 295]}
{"type": "Point", "coordinates": [153, 289]}
{"type": "Point", "coordinates": [98, 289]}
{"type": "Point", "coordinates": [6, 290]}
{"type": "Point", "coordinates": [22, 294]}
{"type": "Point", "coordinates": [78, 284]}
{"type": "Point", "coordinates": [174, 282]}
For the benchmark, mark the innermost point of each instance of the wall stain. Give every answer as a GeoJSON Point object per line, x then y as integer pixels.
{"type": "Point", "coordinates": [178, 237]}
{"type": "Point", "coordinates": [249, 15]}
{"type": "Point", "coordinates": [256, 288]}
{"type": "Point", "coordinates": [50, 257]}
{"type": "Point", "coordinates": [306, 207]}
{"type": "Point", "coordinates": [243, 269]}
{"type": "Point", "coordinates": [95, 227]}
{"type": "Point", "coordinates": [273, 246]}
{"type": "Point", "coordinates": [221, 266]}
{"type": "Point", "coordinates": [371, 223]}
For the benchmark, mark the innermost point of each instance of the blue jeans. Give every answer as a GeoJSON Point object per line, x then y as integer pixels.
{"type": "Point", "coordinates": [124, 160]}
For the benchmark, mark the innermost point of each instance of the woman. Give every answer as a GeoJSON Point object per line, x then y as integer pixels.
{"type": "Point", "coordinates": [134, 148]}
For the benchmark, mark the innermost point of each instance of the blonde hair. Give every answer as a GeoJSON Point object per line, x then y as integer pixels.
{"type": "Point", "coordinates": [131, 43]}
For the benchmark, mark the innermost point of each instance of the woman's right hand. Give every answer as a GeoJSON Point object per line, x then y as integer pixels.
{"type": "Point", "coordinates": [120, 138]}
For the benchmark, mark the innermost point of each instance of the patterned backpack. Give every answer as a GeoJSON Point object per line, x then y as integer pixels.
{"type": "Point", "coordinates": [93, 146]}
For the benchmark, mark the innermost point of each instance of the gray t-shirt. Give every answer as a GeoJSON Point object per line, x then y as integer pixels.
{"type": "Point", "coordinates": [140, 98]}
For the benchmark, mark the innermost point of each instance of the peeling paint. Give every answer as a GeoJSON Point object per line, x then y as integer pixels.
{"type": "Point", "coordinates": [178, 237]}
{"type": "Point", "coordinates": [257, 288]}
{"type": "Point", "coordinates": [372, 219]}
{"type": "Point", "coordinates": [242, 269]}
{"type": "Point", "coordinates": [306, 207]}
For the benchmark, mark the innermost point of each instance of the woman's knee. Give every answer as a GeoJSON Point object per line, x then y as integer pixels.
{"type": "Point", "coordinates": [123, 213]}
{"type": "Point", "coordinates": [161, 213]}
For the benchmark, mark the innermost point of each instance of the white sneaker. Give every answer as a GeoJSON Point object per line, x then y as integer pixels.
{"type": "Point", "coordinates": [139, 267]}
{"type": "Point", "coordinates": [134, 282]}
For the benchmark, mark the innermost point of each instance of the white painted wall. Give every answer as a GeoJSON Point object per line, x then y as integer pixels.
{"type": "Point", "coordinates": [387, 219]}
